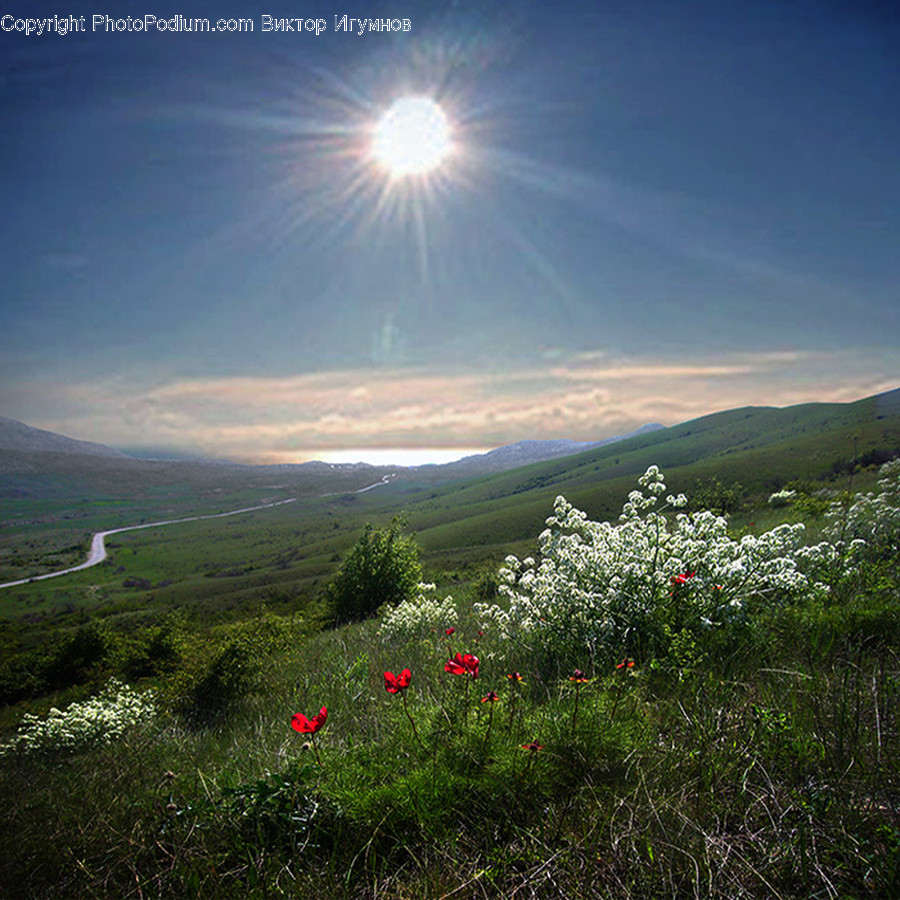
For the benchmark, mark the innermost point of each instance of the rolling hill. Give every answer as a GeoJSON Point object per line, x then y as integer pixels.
{"type": "Point", "coordinates": [47, 514]}
{"type": "Point", "coordinates": [760, 447]}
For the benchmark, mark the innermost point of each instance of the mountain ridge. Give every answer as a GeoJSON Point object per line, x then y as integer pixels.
{"type": "Point", "coordinates": [18, 437]}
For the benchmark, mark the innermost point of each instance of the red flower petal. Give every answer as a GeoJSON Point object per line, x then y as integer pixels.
{"type": "Point", "coordinates": [462, 664]}
{"type": "Point", "coordinates": [300, 723]}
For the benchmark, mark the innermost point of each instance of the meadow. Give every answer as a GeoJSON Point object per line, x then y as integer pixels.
{"type": "Point", "coordinates": [669, 704]}
{"type": "Point", "coordinates": [699, 699]}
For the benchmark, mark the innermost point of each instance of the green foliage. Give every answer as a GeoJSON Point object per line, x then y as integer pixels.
{"type": "Point", "coordinates": [152, 651]}
{"type": "Point", "coordinates": [211, 692]}
{"type": "Point", "coordinates": [718, 498]}
{"type": "Point", "coordinates": [382, 568]}
{"type": "Point", "coordinates": [276, 812]}
{"type": "Point", "coordinates": [760, 759]}
{"type": "Point", "coordinates": [79, 657]}
{"type": "Point", "coordinates": [806, 508]}
{"type": "Point", "coordinates": [222, 672]}
{"type": "Point", "coordinates": [486, 585]}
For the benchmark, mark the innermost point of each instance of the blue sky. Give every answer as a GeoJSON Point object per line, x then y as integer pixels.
{"type": "Point", "coordinates": [653, 210]}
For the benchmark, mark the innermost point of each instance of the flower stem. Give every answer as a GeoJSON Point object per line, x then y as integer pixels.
{"type": "Point", "coordinates": [487, 733]}
{"type": "Point", "coordinates": [612, 715]}
{"type": "Point", "coordinates": [411, 722]}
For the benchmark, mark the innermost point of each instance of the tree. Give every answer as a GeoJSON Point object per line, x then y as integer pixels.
{"type": "Point", "coordinates": [383, 567]}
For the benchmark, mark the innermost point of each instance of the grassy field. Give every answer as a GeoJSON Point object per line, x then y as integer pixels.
{"type": "Point", "coordinates": [758, 762]}
{"type": "Point", "coordinates": [282, 558]}
{"type": "Point", "coordinates": [758, 758]}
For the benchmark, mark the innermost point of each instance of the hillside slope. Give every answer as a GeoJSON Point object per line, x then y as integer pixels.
{"type": "Point", "coordinates": [761, 447]}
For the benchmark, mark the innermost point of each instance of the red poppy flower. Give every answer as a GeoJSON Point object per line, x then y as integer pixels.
{"type": "Point", "coordinates": [534, 746]}
{"type": "Point", "coordinates": [579, 677]}
{"type": "Point", "coordinates": [300, 723]}
{"type": "Point", "coordinates": [625, 664]}
{"type": "Point", "coordinates": [462, 664]}
{"type": "Point", "coordinates": [450, 631]}
{"type": "Point", "coordinates": [683, 578]}
{"type": "Point", "coordinates": [490, 697]}
{"type": "Point", "coordinates": [393, 684]}
{"type": "Point", "coordinates": [514, 676]}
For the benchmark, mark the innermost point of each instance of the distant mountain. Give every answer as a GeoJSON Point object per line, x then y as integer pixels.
{"type": "Point", "coordinates": [18, 437]}
{"type": "Point", "coordinates": [523, 453]}
{"type": "Point", "coordinates": [33, 462]}
{"type": "Point", "coordinates": [502, 495]}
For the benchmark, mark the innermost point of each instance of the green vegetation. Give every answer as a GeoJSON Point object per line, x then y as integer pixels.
{"type": "Point", "coordinates": [734, 732]}
{"type": "Point", "coordinates": [383, 567]}
{"type": "Point", "coordinates": [750, 750]}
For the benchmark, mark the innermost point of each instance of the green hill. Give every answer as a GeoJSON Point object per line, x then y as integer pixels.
{"type": "Point", "coordinates": [761, 447]}
{"type": "Point", "coordinates": [286, 555]}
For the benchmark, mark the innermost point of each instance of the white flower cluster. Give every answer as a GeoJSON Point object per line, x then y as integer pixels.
{"type": "Point", "coordinates": [782, 498]}
{"type": "Point", "coordinates": [412, 619]}
{"type": "Point", "coordinates": [873, 519]}
{"type": "Point", "coordinates": [99, 720]}
{"type": "Point", "coordinates": [597, 583]}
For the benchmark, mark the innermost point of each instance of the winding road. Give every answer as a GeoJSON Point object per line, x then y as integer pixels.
{"type": "Point", "coordinates": [98, 543]}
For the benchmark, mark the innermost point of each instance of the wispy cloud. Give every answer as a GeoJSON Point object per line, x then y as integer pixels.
{"type": "Point", "coordinates": [585, 396]}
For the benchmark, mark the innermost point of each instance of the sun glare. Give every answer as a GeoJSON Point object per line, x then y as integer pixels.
{"type": "Point", "coordinates": [412, 137]}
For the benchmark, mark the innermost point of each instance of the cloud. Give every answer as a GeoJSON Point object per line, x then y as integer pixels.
{"type": "Point", "coordinates": [584, 396]}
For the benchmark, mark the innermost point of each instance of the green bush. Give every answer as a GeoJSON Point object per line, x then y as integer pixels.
{"type": "Point", "coordinates": [79, 657]}
{"type": "Point", "coordinates": [152, 651]}
{"type": "Point", "coordinates": [383, 567]}
{"type": "Point", "coordinates": [711, 494]}
{"type": "Point", "coordinates": [210, 691]}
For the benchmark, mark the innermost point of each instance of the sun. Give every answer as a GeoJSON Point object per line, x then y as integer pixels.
{"type": "Point", "coordinates": [413, 137]}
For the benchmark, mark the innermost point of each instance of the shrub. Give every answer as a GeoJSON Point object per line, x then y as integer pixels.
{"type": "Point", "coordinates": [209, 692]}
{"type": "Point", "coordinates": [152, 651]}
{"type": "Point", "coordinates": [417, 617]}
{"type": "Point", "coordinates": [79, 657]}
{"type": "Point", "coordinates": [383, 567]}
{"type": "Point", "coordinates": [486, 585]}
{"type": "Point", "coordinates": [871, 525]}
{"type": "Point", "coordinates": [223, 670]}
{"type": "Point", "coordinates": [717, 497]}
{"type": "Point", "coordinates": [81, 726]}
{"type": "Point", "coordinates": [637, 585]}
